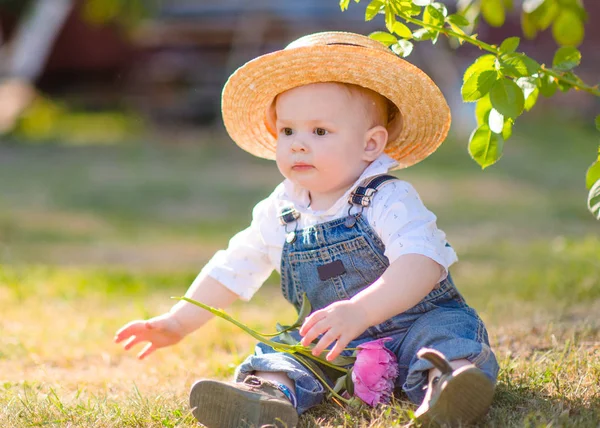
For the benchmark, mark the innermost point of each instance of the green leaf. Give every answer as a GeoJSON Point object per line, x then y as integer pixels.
{"type": "Point", "coordinates": [305, 310]}
{"type": "Point", "coordinates": [482, 110]}
{"type": "Point", "coordinates": [483, 63]}
{"type": "Point", "coordinates": [344, 4]}
{"type": "Point", "coordinates": [548, 85]}
{"type": "Point", "coordinates": [383, 37]}
{"type": "Point", "coordinates": [518, 65]}
{"type": "Point", "coordinates": [532, 99]}
{"type": "Point", "coordinates": [507, 98]}
{"type": "Point", "coordinates": [485, 147]}
{"type": "Point", "coordinates": [529, 86]}
{"type": "Point", "coordinates": [340, 383]}
{"type": "Point", "coordinates": [433, 16]}
{"type": "Point", "coordinates": [543, 12]}
{"type": "Point", "coordinates": [594, 200]}
{"type": "Point", "coordinates": [592, 175]}
{"type": "Point", "coordinates": [422, 34]}
{"type": "Point", "coordinates": [507, 130]}
{"type": "Point", "coordinates": [402, 30]}
{"type": "Point", "coordinates": [598, 122]}
{"type": "Point", "coordinates": [478, 85]}
{"type": "Point", "coordinates": [566, 58]}
{"type": "Point", "coordinates": [493, 12]}
{"type": "Point", "coordinates": [568, 28]}
{"type": "Point", "coordinates": [390, 18]}
{"type": "Point", "coordinates": [458, 20]}
{"type": "Point", "coordinates": [510, 45]}
{"type": "Point", "coordinates": [349, 383]}
{"type": "Point", "coordinates": [528, 26]}
{"type": "Point", "coordinates": [373, 9]}
{"type": "Point", "coordinates": [403, 48]}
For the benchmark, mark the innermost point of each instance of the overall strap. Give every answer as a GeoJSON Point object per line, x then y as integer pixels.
{"type": "Point", "coordinates": [363, 194]}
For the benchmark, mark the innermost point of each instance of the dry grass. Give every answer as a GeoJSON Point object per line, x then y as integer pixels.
{"type": "Point", "coordinates": [93, 238]}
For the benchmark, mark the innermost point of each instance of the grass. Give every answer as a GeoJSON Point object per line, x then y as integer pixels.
{"type": "Point", "coordinates": [92, 237]}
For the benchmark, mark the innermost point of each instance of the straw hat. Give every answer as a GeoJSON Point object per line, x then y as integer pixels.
{"type": "Point", "coordinates": [414, 134]}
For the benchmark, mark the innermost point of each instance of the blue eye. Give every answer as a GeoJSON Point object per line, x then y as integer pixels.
{"type": "Point", "coordinates": [320, 131]}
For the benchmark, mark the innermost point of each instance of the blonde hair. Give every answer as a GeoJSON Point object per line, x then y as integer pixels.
{"type": "Point", "coordinates": [379, 109]}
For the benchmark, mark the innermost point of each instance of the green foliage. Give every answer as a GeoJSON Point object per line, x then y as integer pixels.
{"type": "Point", "coordinates": [503, 81]}
{"type": "Point", "coordinates": [485, 146]}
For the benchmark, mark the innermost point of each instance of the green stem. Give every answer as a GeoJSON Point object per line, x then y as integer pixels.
{"type": "Point", "coordinates": [292, 349]}
{"type": "Point", "coordinates": [494, 50]}
{"type": "Point", "coordinates": [324, 382]}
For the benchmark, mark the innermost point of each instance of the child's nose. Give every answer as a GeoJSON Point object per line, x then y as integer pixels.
{"type": "Point", "coordinates": [298, 145]}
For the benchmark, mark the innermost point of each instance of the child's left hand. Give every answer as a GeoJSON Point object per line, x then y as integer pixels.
{"type": "Point", "coordinates": [341, 321]}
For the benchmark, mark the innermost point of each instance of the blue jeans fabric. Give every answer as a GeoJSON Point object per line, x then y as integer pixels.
{"type": "Point", "coordinates": [442, 320]}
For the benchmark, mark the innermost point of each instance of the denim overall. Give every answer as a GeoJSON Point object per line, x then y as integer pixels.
{"type": "Point", "coordinates": [337, 259]}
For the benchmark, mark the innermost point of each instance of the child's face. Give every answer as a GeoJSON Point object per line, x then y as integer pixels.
{"type": "Point", "coordinates": [324, 137]}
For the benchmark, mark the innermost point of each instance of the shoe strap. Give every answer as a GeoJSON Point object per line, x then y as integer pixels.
{"type": "Point", "coordinates": [436, 358]}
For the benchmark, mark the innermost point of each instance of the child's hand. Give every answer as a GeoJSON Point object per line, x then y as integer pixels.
{"type": "Point", "coordinates": [159, 332]}
{"type": "Point", "coordinates": [341, 321]}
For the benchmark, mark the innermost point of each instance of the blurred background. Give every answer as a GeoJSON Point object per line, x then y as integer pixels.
{"type": "Point", "coordinates": [110, 125]}
{"type": "Point", "coordinates": [118, 182]}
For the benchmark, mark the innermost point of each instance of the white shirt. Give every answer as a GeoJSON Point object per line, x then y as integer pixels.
{"type": "Point", "coordinates": [396, 214]}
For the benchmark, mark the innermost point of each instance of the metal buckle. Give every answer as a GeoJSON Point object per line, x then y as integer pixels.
{"type": "Point", "coordinates": [288, 215]}
{"type": "Point", "coordinates": [361, 196]}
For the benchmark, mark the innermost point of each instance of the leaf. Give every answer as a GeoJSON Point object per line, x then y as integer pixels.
{"type": "Point", "coordinates": [518, 65]}
{"type": "Point", "coordinates": [598, 122]}
{"type": "Point", "coordinates": [344, 4]}
{"type": "Point", "coordinates": [507, 130]}
{"type": "Point", "coordinates": [422, 34]}
{"type": "Point", "coordinates": [510, 45]}
{"type": "Point", "coordinates": [548, 85]}
{"type": "Point", "coordinates": [390, 18]}
{"type": "Point", "coordinates": [433, 16]}
{"type": "Point", "coordinates": [566, 58]}
{"type": "Point", "coordinates": [478, 85]}
{"type": "Point", "coordinates": [482, 110]}
{"type": "Point", "coordinates": [529, 86]}
{"type": "Point", "coordinates": [373, 9]}
{"type": "Point", "coordinates": [483, 63]}
{"type": "Point", "coordinates": [592, 175]}
{"type": "Point", "coordinates": [340, 383]}
{"type": "Point", "coordinates": [458, 20]}
{"type": "Point", "coordinates": [305, 310]}
{"type": "Point", "coordinates": [493, 12]}
{"type": "Point", "coordinates": [594, 200]}
{"type": "Point", "coordinates": [507, 98]}
{"type": "Point", "coordinates": [531, 99]}
{"type": "Point", "coordinates": [485, 147]}
{"type": "Point", "coordinates": [568, 29]}
{"type": "Point", "coordinates": [383, 37]}
{"type": "Point", "coordinates": [349, 383]}
{"type": "Point", "coordinates": [403, 48]}
{"type": "Point", "coordinates": [402, 30]}
{"type": "Point", "coordinates": [528, 26]}
{"type": "Point", "coordinates": [287, 338]}
{"type": "Point", "coordinates": [496, 121]}
{"type": "Point", "coordinates": [543, 13]}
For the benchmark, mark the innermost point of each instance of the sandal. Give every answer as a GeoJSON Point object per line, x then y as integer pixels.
{"type": "Point", "coordinates": [456, 397]}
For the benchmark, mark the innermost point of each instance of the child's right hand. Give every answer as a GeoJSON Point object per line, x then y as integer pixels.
{"type": "Point", "coordinates": [161, 331]}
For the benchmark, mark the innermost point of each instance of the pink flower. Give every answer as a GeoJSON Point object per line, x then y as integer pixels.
{"type": "Point", "coordinates": [374, 373]}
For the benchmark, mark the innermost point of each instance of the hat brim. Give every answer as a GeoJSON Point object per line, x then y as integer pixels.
{"type": "Point", "coordinates": [250, 91]}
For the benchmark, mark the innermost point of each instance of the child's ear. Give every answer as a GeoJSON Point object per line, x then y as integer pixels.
{"type": "Point", "coordinates": [375, 141]}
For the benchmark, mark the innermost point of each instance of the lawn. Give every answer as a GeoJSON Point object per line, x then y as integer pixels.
{"type": "Point", "coordinates": [93, 237]}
